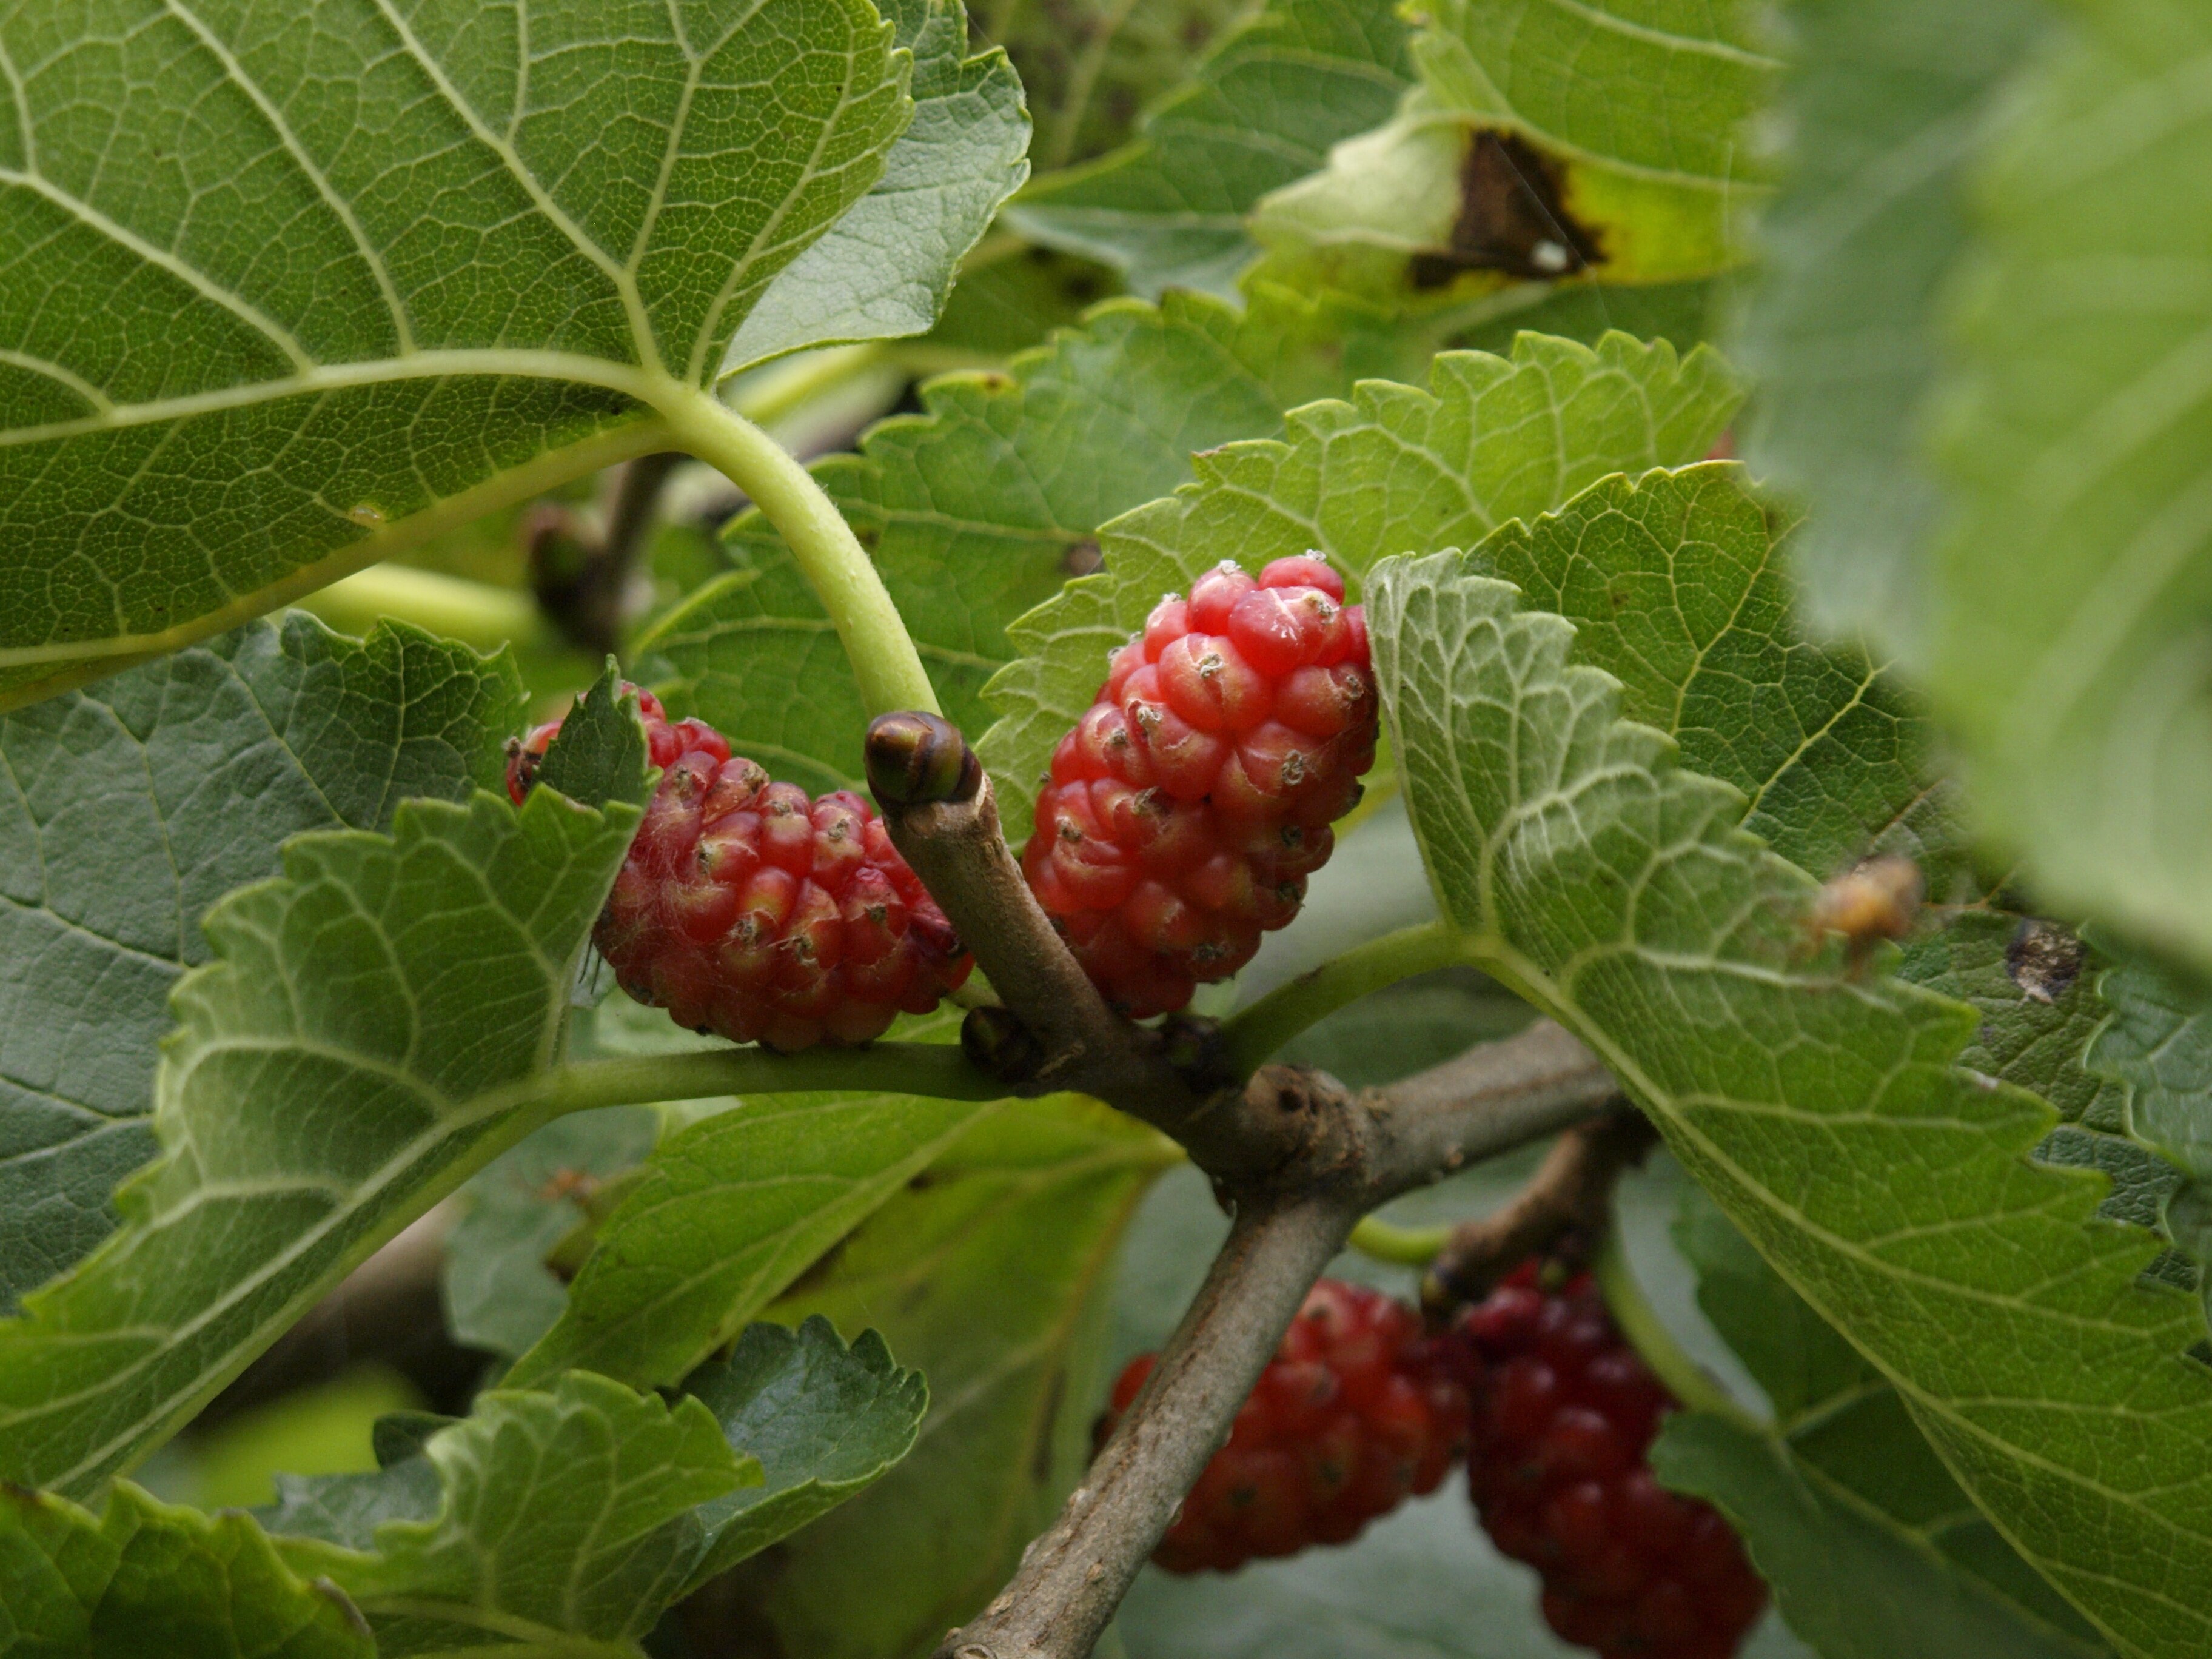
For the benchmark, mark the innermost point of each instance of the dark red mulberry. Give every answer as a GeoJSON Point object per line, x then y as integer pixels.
{"type": "Point", "coordinates": [1564, 1413]}
{"type": "Point", "coordinates": [1353, 1414]}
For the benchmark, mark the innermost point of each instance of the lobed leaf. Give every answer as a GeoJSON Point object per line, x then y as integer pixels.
{"type": "Point", "coordinates": [1259, 110]}
{"type": "Point", "coordinates": [1887, 102]}
{"type": "Point", "coordinates": [283, 300]}
{"type": "Point", "coordinates": [2064, 644]}
{"type": "Point", "coordinates": [885, 268]}
{"type": "Point", "coordinates": [1493, 439]}
{"type": "Point", "coordinates": [1826, 1115]}
{"type": "Point", "coordinates": [145, 1578]}
{"type": "Point", "coordinates": [124, 813]}
{"type": "Point", "coordinates": [571, 1512]}
{"type": "Point", "coordinates": [376, 1024]}
{"type": "Point", "coordinates": [825, 1421]}
{"type": "Point", "coordinates": [977, 509]}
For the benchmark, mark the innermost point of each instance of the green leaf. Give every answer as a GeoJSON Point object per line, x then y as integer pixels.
{"type": "Point", "coordinates": [500, 1294]}
{"type": "Point", "coordinates": [1826, 1116]}
{"type": "Point", "coordinates": [1887, 102]}
{"type": "Point", "coordinates": [279, 305]}
{"type": "Point", "coordinates": [2158, 1044]}
{"type": "Point", "coordinates": [1845, 1578]}
{"type": "Point", "coordinates": [824, 1420]}
{"type": "Point", "coordinates": [600, 754]}
{"type": "Point", "coordinates": [883, 270]}
{"type": "Point", "coordinates": [571, 1512]}
{"type": "Point", "coordinates": [1685, 313]}
{"type": "Point", "coordinates": [144, 1578]}
{"type": "Point", "coordinates": [1859, 1480]}
{"type": "Point", "coordinates": [377, 1025]}
{"type": "Point", "coordinates": [2066, 647]}
{"type": "Point", "coordinates": [1678, 586]}
{"type": "Point", "coordinates": [1546, 137]}
{"type": "Point", "coordinates": [1089, 65]}
{"type": "Point", "coordinates": [1259, 111]}
{"type": "Point", "coordinates": [988, 1273]}
{"type": "Point", "coordinates": [124, 813]}
{"type": "Point", "coordinates": [975, 509]}
{"type": "Point", "coordinates": [725, 1216]}
{"type": "Point", "coordinates": [1493, 440]}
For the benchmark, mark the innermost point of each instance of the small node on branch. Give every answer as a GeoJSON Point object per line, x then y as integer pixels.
{"type": "Point", "coordinates": [996, 1041]}
{"type": "Point", "coordinates": [914, 758]}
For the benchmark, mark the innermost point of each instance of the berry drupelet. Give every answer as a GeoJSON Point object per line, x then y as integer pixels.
{"type": "Point", "coordinates": [1185, 812]}
{"type": "Point", "coordinates": [1352, 1415]}
{"type": "Point", "coordinates": [1564, 1413]}
{"type": "Point", "coordinates": [748, 910]}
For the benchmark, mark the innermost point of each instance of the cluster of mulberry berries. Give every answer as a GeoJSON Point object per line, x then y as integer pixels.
{"type": "Point", "coordinates": [1565, 1413]}
{"type": "Point", "coordinates": [1354, 1414]}
{"type": "Point", "coordinates": [747, 909]}
{"type": "Point", "coordinates": [1185, 812]}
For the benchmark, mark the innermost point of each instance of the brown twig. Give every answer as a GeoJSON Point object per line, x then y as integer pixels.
{"type": "Point", "coordinates": [941, 815]}
{"type": "Point", "coordinates": [1073, 1576]}
{"type": "Point", "coordinates": [1352, 1153]}
{"type": "Point", "coordinates": [1568, 1193]}
{"type": "Point", "coordinates": [583, 583]}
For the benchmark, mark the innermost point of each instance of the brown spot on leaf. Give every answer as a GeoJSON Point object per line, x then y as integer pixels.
{"type": "Point", "coordinates": [2044, 959]}
{"type": "Point", "coordinates": [1082, 559]}
{"type": "Point", "coordinates": [1511, 217]}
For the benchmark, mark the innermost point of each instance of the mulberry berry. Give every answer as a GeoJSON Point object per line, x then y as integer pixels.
{"type": "Point", "coordinates": [1355, 1414]}
{"type": "Point", "coordinates": [1564, 1413]}
{"type": "Point", "coordinates": [1185, 812]}
{"type": "Point", "coordinates": [746, 909]}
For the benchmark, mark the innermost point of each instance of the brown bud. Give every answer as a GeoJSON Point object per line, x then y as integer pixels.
{"type": "Point", "coordinates": [1193, 1045]}
{"type": "Point", "coordinates": [914, 758]}
{"type": "Point", "coordinates": [995, 1041]}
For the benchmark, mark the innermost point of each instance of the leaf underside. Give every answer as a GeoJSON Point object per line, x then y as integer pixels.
{"type": "Point", "coordinates": [365, 1037]}
{"type": "Point", "coordinates": [1826, 1114]}
{"type": "Point", "coordinates": [126, 812]}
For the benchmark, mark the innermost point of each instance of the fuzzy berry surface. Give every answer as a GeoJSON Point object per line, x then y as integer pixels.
{"type": "Point", "coordinates": [1354, 1414]}
{"type": "Point", "coordinates": [750, 911]}
{"type": "Point", "coordinates": [1564, 1413]}
{"type": "Point", "coordinates": [1185, 812]}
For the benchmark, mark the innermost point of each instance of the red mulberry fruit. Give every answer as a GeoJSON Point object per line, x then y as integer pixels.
{"type": "Point", "coordinates": [1564, 1413]}
{"type": "Point", "coordinates": [1185, 812]}
{"type": "Point", "coordinates": [746, 909]}
{"type": "Point", "coordinates": [1352, 1415]}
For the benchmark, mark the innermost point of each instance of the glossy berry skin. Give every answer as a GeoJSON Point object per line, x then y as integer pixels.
{"type": "Point", "coordinates": [1564, 1413]}
{"type": "Point", "coordinates": [1185, 812]}
{"type": "Point", "coordinates": [1352, 1415]}
{"type": "Point", "coordinates": [747, 909]}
